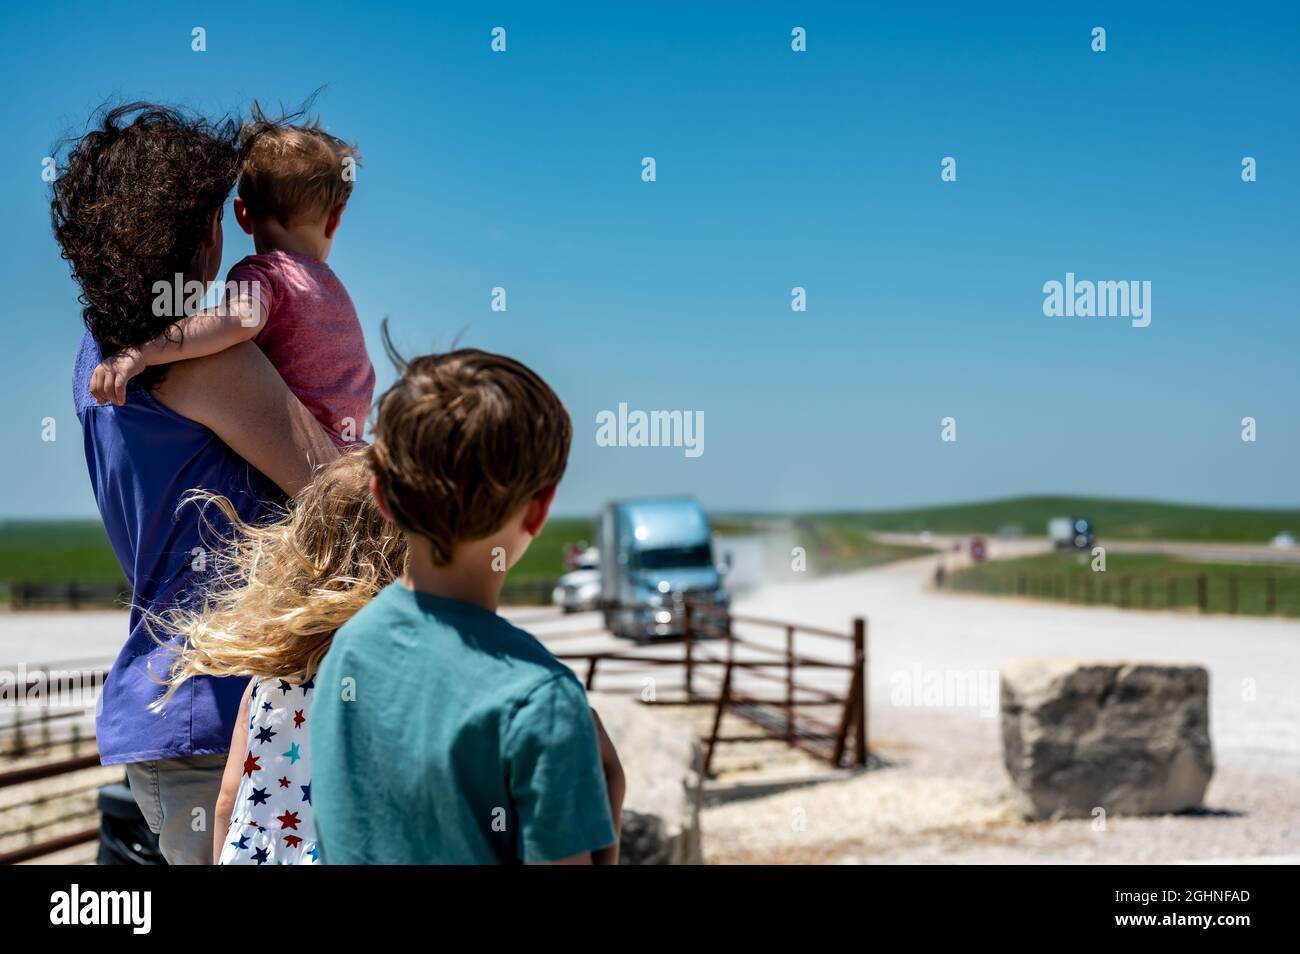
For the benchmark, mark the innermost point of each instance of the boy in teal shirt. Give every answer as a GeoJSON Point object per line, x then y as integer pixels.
{"type": "Point", "coordinates": [441, 733]}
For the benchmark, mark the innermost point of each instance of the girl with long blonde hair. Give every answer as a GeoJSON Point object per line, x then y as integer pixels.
{"type": "Point", "coordinates": [282, 591]}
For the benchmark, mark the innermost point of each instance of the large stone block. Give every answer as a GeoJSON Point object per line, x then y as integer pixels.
{"type": "Point", "coordinates": [1130, 738]}
{"type": "Point", "coordinates": [662, 759]}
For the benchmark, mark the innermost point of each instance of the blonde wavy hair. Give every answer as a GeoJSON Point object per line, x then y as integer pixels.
{"type": "Point", "coordinates": [283, 589]}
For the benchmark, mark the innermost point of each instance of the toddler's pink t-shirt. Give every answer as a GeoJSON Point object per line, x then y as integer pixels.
{"type": "Point", "coordinates": [313, 338]}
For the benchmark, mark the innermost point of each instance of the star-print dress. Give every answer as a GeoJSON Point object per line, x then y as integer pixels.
{"type": "Point", "coordinates": [271, 822]}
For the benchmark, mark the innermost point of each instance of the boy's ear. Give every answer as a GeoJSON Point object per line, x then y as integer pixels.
{"type": "Point", "coordinates": [539, 508]}
{"type": "Point", "coordinates": [242, 217]}
{"type": "Point", "coordinates": [332, 221]}
{"type": "Point", "coordinates": [377, 492]}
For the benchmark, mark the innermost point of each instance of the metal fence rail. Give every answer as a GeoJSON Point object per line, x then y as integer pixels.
{"type": "Point", "coordinates": [707, 652]}
{"type": "Point", "coordinates": [45, 737]}
{"type": "Point", "coordinates": [69, 594]}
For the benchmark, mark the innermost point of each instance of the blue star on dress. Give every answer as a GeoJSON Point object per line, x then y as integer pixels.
{"type": "Point", "coordinates": [261, 856]}
{"type": "Point", "coordinates": [306, 792]}
{"type": "Point", "coordinates": [292, 755]}
{"type": "Point", "coordinates": [242, 844]}
{"type": "Point", "coordinates": [265, 734]}
{"type": "Point", "coordinates": [258, 797]}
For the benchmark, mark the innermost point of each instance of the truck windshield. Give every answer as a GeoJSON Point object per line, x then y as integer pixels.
{"type": "Point", "coordinates": [667, 558]}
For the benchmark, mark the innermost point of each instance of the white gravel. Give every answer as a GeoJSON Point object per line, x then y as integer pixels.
{"type": "Point", "coordinates": [947, 796]}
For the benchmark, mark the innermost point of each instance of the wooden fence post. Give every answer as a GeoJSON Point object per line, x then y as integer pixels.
{"type": "Point", "coordinates": [854, 718]}
{"type": "Point", "coordinates": [860, 669]}
{"type": "Point", "coordinates": [687, 624]}
{"type": "Point", "coordinates": [724, 699]}
{"type": "Point", "coordinates": [789, 684]}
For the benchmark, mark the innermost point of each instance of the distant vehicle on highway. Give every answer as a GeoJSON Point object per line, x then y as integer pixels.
{"type": "Point", "coordinates": [1071, 533]}
{"type": "Point", "coordinates": [1285, 541]}
{"type": "Point", "coordinates": [579, 589]}
{"type": "Point", "coordinates": [655, 553]}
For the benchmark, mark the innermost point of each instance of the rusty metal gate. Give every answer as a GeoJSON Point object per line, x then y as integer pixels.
{"type": "Point", "coordinates": [720, 666]}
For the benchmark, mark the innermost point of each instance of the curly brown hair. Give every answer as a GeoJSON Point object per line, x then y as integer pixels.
{"type": "Point", "coordinates": [131, 206]}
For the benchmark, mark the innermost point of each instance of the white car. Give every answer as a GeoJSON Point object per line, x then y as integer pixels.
{"type": "Point", "coordinates": [578, 590]}
{"type": "Point", "coordinates": [1285, 541]}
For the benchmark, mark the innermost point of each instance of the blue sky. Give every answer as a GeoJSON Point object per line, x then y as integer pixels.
{"type": "Point", "coordinates": [775, 169]}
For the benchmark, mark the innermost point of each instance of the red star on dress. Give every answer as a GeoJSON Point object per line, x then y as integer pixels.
{"type": "Point", "coordinates": [298, 718]}
{"type": "Point", "coordinates": [284, 782]}
{"type": "Point", "coordinates": [251, 765]}
{"type": "Point", "coordinates": [292, 841]}
{"type": "Point", "coordinates": [288, 820]}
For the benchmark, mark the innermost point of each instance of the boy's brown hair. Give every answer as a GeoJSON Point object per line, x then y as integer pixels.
{"type": "Point", "coordinates": [293, 172]}
{"type": "Point", "coordinates": [462, 441]}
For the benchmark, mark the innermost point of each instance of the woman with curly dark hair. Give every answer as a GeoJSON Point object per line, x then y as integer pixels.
{"type": "Point", "coordinates": [138, 202]}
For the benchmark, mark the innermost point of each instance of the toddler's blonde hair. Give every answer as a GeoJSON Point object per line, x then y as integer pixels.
{"type": "Point", "coordinates": [293, 172]}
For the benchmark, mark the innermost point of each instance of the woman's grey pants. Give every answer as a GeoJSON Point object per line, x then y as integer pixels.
{"type": "Point", "coordinates": [179, 799]}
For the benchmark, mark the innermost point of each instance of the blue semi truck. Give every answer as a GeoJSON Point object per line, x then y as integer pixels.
{"type": "Point", "coordinates": [655, 554]}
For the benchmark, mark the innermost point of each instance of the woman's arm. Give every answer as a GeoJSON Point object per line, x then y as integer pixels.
{"type": "Point", "coordinates": [230, 780]}
{"type": "Point", "coordinates": [242, 398]}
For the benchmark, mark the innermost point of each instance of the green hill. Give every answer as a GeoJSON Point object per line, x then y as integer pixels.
{"type": "Point", "coordinates": [1114, 519]}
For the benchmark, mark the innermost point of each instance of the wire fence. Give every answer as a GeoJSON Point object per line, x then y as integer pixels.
{"type": "Point", "coordinates": [1248, 594]}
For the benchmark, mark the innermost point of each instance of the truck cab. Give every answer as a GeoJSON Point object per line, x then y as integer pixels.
{"type": "Point", "coordinates": [655, 554]}
{"type": "Point", "coordinates": [1071, 533]}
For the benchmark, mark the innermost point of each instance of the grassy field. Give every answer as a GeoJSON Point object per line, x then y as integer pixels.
{"type": "Point", "coordinates": [1141, 581]}
{"type": "Point", "coordinates": [1114, 519]}
{"type": "Point", "coordinates": [60, 551]}
{"type": "Point", "coordinates": [57, 551]}
{"type": "Point", "coordinates": [39, 551]}
{"type": "Point", "coordinates": [544, 560]}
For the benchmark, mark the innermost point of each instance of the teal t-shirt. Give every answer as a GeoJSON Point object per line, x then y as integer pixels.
{"type": "Point", "coordinates": [442, 734]}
